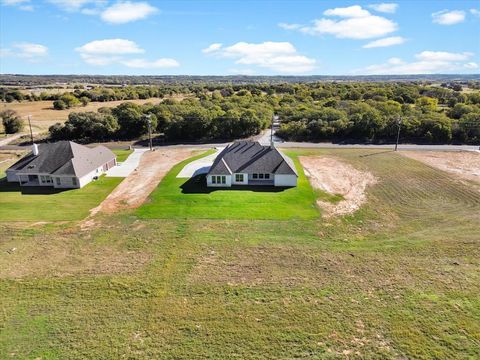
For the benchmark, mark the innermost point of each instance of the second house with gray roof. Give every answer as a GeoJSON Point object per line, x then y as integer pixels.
{"type": "Point", "coordinates": [250, 163]}
{"type": "Point", "coordinates": [63, 164]}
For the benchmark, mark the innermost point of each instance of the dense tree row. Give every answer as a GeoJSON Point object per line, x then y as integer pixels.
{"type": "Point", "coordinates": [367, 112]}
{"type": "Point", "coordinates": [190, 119]}
{"type": "Point", "coordinates": [377, 121]}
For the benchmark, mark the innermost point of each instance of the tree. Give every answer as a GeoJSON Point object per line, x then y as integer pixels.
{"type": "Point", "coordinates": [59, 105]}
{"type": "Point", "coordinates": [426, 104]}
{"type": "Point", "coordinates": [12, 123]}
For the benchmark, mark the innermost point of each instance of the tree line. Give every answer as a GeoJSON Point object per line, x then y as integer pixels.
{"type": "Point", "coordinates": [367, 114]}
{"type": "Point", "coordinates": [189, 119]}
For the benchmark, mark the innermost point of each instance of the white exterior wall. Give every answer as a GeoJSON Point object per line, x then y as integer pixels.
{"type": "Point", "coordinates": [228, 181]}
{"type": "Point", "coordinates": [84, 180]}
{"type": "Point", "coordinates": [66, 182]}
{"type": "Point", "coordinates": [244, 182]}
{"type": "Point", "coordinates": [285, 180]}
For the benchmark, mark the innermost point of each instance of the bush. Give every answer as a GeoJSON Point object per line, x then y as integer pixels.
{"type": "Point", "coordinates": [12, 123]}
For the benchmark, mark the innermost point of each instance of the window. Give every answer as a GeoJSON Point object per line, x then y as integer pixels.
{"type": "Point", "coordinates": [214, 179]}
{"type": "Point", "coordinates": [58, 181]}
{"type": "Point", "coordinates": [42, 178]}
{"type": "Point", "coordinates": [224, 179]}
{"type": "Point", "coordinates": [260, 176]}
{"type": "Point", "coordinates": [255, 176]}
{"type": "Point", "coordinates": [239, 177]}
{"type": "Point", "coordinates": [267, 176]}
{"type": "Point", "coordinates": [74, 180]}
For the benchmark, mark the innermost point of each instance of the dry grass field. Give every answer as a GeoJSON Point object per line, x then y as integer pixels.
{"type": "Point", "coordinates": [43, 114]}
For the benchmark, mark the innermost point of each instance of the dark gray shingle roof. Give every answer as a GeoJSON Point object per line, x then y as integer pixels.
{"type": "Point", "coordinates": [63, 158]}
{"type": "Point", "coordinates": [251, 157]}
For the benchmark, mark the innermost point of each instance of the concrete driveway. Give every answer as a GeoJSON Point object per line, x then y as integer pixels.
{"type": "Point", "coordinates": [128, 166]}
{"type": "Point", "coordinates": [200, 166]}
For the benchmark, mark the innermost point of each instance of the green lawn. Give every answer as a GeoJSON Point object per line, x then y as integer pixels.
{"type": "Point", "coordinates": [48, 204]}
{"type": "Point", "coordinates": [184, 198]}
{"type": "Point", "coordinates": [399, 279]}
{"type": "Point", "coordinates": [122, 155]}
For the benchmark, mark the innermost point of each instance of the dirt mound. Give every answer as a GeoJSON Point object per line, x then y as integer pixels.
{"type": "Point", "coordinates": [464, 164]}
{"type": "Point", "coordinates": [338, 178]}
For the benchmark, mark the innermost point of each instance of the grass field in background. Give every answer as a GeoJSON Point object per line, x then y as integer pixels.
{"type": "Point", "coordinates": [191, 198]}
{"type": "Point", "coordinates": [400, 278]}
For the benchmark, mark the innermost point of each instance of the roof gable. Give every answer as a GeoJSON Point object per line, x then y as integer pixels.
{"type": "Point", "coordinates": [63, 158]}
{"type": "Point", "coordinates": [252, 157]}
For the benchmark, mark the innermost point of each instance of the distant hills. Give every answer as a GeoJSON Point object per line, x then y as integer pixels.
{"type": "Point", "coordinates": [35, 80]}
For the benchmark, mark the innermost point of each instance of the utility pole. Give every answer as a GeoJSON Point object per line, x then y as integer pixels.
{"type": "Point", "coordinates": [30, 125]}
{"type": "Point", "coordinates": [149, 122]}
{"type": "Point", "coordinates": [399, 123]}
{"type": "Point", "coordinates": [271, 131]}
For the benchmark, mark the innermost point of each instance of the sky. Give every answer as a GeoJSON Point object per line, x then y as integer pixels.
{"type": "Point", "coordinates": [153, 37]}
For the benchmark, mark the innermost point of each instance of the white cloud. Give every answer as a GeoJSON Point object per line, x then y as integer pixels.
{"type": "Point", "coordinates": [443, 56]}
{"type": "Point", "coordinates": [109, 47]}
{"type": "Point", "coordinates": [213, 47]}
{"type": "Point", "coordinates": [290, 26]}
{"type": "Point", "coordinates": [25, 50]}
{"type": "Point", "coordinates": [19, 4]}
{"type": "Point", "coordinates": [446, 17]}
{"type": "Point", "coordinates": [30, 50]}
{"type": "Point", "coordinates": [429, 62]}
{"type": "Point", "coordinates": [389, 41]}
{"type": "Point", "coordinates": [75, 5]}
{"type": "Point", "coordinates": [348, 12]}
{"type": "Point", "coordinates": [114, 51]}
{"type": "Point", "coordinates": [471, 65]}
{"type": "Point", "coordinates": [354, 23]}
{"type": "Point", "coordinates": [145, 64]}
{"type": "Point", "coordinates": [280, 57]}
{"type": "Point", "coordinates": [127, 11]}
{"type": "Point", "coordinates": [384, 7]}
{"type": "Point", "coordinates": [475, 12]}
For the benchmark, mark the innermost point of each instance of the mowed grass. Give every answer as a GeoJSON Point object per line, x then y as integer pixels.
{"type": "Point", "coordinates": [122, 155]}
{"type": "Point", "coordinates": [191, 198]}
{"type": "Point", "coordinates": [48, 204]}
{"type": "Point", "coordinates": [399, 279]}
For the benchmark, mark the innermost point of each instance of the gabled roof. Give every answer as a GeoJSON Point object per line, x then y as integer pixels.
{"type": "Point", "coordinates": [63, 158]}
{"type": "Point", "coordinates": [252, 157]}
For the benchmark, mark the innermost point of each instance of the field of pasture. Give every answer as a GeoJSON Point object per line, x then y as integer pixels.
{"type": "Point", "coordinates": [399, 278]}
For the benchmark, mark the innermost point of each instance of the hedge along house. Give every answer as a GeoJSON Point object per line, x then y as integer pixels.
{"type": "Point", "coordinates": [64, 165]}
{"type": "Point", "coordinates": [250, 163]}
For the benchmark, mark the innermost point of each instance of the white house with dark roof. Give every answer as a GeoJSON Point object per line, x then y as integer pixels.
{"type": "Point", "coordinates": [250, 163]}
{"type": "Point", "coordinates": [63, 164]}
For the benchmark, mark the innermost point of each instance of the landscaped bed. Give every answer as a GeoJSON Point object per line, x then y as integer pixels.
{"type": "Point", "coordinates": [182, 198]}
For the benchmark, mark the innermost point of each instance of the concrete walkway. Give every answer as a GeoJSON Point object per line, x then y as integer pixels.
{"type": "Point", "coordinates": [128, 166]}
{"type": "Point", "coordinates": [200, 166]}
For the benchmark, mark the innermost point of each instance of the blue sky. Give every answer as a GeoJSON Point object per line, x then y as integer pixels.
{"type": "Point", "coordinates": [239, 37]}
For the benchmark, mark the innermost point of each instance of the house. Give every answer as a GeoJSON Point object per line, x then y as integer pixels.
{"type": "Point", "coordinates": [250, 163]}
{"type": "Point", "coordinates": [63, 164]}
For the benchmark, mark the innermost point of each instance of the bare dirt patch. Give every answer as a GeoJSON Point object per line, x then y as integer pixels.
{"type": "Point", "coordinates": [337, 178]}
{"type": "Point", "coordinates": [464, 164]}
{"type": "Point", "coordinates": [134, 190]}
